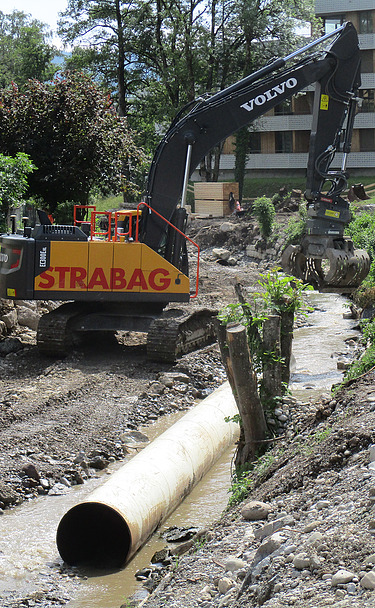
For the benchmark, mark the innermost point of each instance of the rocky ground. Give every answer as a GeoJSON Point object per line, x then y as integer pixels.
{"type": "Point", "coordinates": [307, 541]}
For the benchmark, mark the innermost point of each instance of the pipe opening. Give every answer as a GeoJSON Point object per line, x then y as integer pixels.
{"type": "Point", "coordinates": [93, 535]}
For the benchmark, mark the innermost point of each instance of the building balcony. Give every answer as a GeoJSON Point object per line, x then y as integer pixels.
{"type": "Point", "coordinates": [368, 81]}
{"type": "Point", "coordinates": [356, 160]}
{"type": "Point", "coordinates": [337, 7]}
{"type": "Point", "coordinates": [302, 122]}
{"type": "Point", "coordinates": [366, 41]}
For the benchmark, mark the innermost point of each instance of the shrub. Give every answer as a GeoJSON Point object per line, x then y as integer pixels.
{"type": "Point", "coordinates": [264, 212]}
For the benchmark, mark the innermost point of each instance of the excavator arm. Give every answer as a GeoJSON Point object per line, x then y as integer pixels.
{"type": "Point", "coordinates": [208, 121]}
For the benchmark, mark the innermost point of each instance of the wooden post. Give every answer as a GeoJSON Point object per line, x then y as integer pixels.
{"type": "Point", "coordinates": [248, 401]}
{"type": "Point", "coordinates": [286, 335]}
{"type": "Point", "coordinates": [221, 333]}
{"type": "Point", "coordinates": [271, 383]}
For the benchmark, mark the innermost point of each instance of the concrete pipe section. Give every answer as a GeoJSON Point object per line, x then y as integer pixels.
{"type": "Point", "coordinates": [116, 519]}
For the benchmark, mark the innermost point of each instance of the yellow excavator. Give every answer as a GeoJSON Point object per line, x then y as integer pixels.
{"type": "Point", "coordinates": [120, 271]}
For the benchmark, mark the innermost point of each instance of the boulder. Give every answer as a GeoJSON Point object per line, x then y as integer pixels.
{"type": "Point", "coordinates": [255, 510]}
{"type": "Point", "coordinates": [27, 317]}
{"type": "Point", "coordinates": [7, 495]}
{"type": "Point", "coordinates": [10, 318]}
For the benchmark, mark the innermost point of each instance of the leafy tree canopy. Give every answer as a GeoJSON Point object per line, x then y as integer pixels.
{"type": "Point", "coordinates": [24, 49]}
{"type": "Point", "coordinates": [13, 182]}
{"type": "Point", "coordinates": [160, 54]}
{"type": "Point", "coordinates": [73, 135]}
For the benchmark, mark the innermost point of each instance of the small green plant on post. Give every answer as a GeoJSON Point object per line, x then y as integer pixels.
{"type": "Point", "coordinates": [282, 295]}
{"type": "Point", "coordinates": [264, 212]}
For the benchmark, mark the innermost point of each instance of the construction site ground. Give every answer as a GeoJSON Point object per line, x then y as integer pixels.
{"type": "Point", "coordinates": [62, 418]}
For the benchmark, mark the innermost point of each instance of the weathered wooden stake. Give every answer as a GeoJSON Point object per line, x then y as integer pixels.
{"type": "Point", "coordinates": [286, 336]}
{"type": "Point", "coordinates": [248, 401]}
{"type": "Point", "coordinates": [221, 333]}
{"type": "Point", "coordinates": [272, 367]}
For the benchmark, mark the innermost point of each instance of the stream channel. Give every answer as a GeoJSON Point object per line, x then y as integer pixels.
{"type": "Point", "coordinates": [28, 556]}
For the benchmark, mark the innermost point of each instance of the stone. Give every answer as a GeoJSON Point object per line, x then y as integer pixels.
{"type": "Point", "coordinates": [340, 594]}
{"type": "Point", "coordinates": [233, 564]}
{"type": "Point", "coordinates": [273, 526]}
{"type": "Point", "coordinates": [322, 504]}
{"type": "Point", "coordinates": [315, 537]}
{"type": "Point", "coordinates": [27, 317]}
{"type": "Point", "coordinates": [32, 304]}
{"type": "Point", "coordinates": [226, 227]}
{"type": "Point", "coordinates": [10, 319]}
{"type": "Point", "coordinates": [301, 561]}
{"type": "Point", "coordinates": [312, 525]}
{"type": "Point", "coordinates": [368, 581]}
{"type": "Point", "coordinates": [266, 549]}
{"type": "Point", "coordinates": [59, 489]}
{"type": "Point", "coordinates": [372, 453]}
{"type": "Point", "coordinates": [219, 253]}
{"type": "Point", "coordinates": [156, 388]}
{"type": "Point", "coordinates": [225, 584]}
{"type": "Point", "coordinates": [8, 496]}
{"type": "Point", "coordinates": [255, 510]}
{"type": "Point", "coordinates": [31, 471]}
{"type": "Point", "coordinates": [342, 577]}
{"type": "Point", "coordinates": [3, 329]}
{"type": "Point", "coordinates": [351, 588]}
{"type": "Point", "coordinates": [98, 462]}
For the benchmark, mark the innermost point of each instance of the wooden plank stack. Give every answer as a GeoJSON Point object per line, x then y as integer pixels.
{"type": "Point", "coordinates": [212, 198]}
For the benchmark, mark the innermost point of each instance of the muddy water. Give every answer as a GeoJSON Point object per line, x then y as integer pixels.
{"type": "Point", "coordinates": [28, 554]}
{"type": "Point", "coordinates": [318, 346]}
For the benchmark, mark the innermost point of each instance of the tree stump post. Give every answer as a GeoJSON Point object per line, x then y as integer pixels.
{"type": "Point", "coordinates": [248, 401]}
{"type": "Point", "coordinates": [286, 335]}
{"type": "Point", "coordinates": [221, 333]}
{"type": "Point", "coordinates": [272, 365]}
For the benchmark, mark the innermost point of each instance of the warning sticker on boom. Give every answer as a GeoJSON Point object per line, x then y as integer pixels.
{"type": "Point", "coordinates": [324, 102]}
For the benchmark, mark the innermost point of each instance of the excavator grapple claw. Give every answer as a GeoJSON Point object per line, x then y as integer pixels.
{"type": "Point", "coordinates": [336, 271]}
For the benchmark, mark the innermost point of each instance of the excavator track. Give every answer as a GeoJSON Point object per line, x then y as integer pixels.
{"type": "Point", "coordinates": [339, 271]}
{"type": "Point", "coordinates": [177, 332]}
{"type": "Point", "coordinates": [55, 336]}
{"type": "Point", "coordinates": [171, 334]}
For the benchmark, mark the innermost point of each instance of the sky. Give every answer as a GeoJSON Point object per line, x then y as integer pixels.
{"type": "Point", "coordinates": [43, 10]}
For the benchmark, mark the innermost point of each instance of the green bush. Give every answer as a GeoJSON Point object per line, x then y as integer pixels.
{"type": "Point", "coordinates": [362, 230]}
{"type": "Point", "coordinates": [264, 212]}
{"type": "Point", "coordinates": [367, 360]}
{"type": "Point", "coordinates": [296, 229]}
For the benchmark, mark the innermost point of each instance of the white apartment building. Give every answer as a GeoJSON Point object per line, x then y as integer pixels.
{"type": "Point", "coordinates": [280, 140]}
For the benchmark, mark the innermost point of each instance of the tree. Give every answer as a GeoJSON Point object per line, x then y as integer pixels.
{"type": "Point", "coordinates": [169, 52]}
{"type": "Point", "coordinates": [104, 27]}
{"type": "Point", "coordinates": [13, 183]}
{"type": "Point", "coordinates": [24, 49]}
{"type": "Point", "coordinates": [73, 135]}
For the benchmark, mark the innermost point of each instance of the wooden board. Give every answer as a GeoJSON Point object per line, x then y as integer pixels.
{"type": "Point", "coordinates": [218, 191]}
{"type": "Point", "coordinates": [212, 207]}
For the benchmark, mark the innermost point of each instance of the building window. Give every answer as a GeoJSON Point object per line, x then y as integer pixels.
{"type": "Point", "coordinates": [365, 22]}
{"type": "Point", "coordinates": [284, 142]}
{"type": "Point", "coordinates": [368, 103]}
{"type": "Point", "coordinates": [366, 140]}
{"type": "Point", "coordinates": [283, 108]}
{"type": "Point", "coordinates": [367, 61]}
{"type": "Point", "coordinates": [254, 142]}
{"type": "Point", "coordinates": [332, 23]}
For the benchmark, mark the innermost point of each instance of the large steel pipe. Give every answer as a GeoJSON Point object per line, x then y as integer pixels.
{"type": "Point", "coordinates": [116, 519]}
